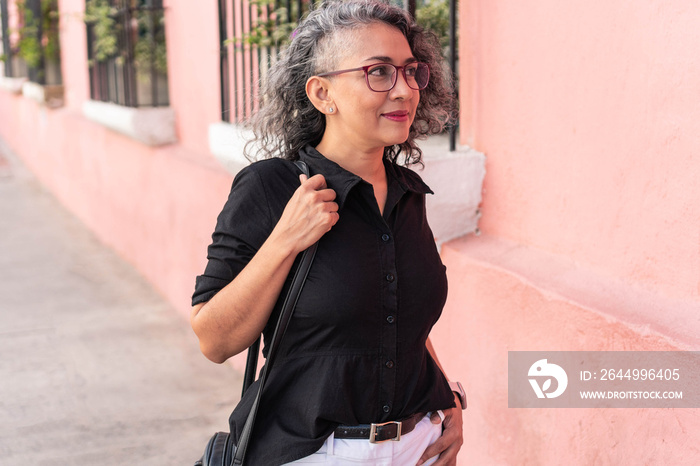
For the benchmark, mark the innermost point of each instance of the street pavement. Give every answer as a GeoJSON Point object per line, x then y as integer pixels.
{"type": "Point", "coordinates": [95, 367]}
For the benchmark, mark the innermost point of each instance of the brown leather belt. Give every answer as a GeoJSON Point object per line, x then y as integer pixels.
{"type": "Point", "coordinates": [380, 432]}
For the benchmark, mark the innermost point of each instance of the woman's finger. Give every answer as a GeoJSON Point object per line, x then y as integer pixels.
{"type": "Point", "coordinates": [330, 207]}
{"type": "Point", "coordinates": [436, 418]}
{"type": "Point", "coordinates": [311, 212]}
{"type": "Point", "coordinates": [316, 182]}
{"type": "Point", "coordinates": [449, 442]}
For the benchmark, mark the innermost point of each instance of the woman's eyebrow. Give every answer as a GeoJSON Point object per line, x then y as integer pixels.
{"type": "Point", "coordinates": [388, 59]}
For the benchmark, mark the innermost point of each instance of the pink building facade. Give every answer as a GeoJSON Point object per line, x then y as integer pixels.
{"type": "Point", "coordinates": [587, 113]}
{"type": "Point", "coordinates": [590, 218]}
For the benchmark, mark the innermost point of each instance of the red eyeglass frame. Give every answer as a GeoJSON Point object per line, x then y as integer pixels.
{"type": "Point", "coordinates": [396, 79]}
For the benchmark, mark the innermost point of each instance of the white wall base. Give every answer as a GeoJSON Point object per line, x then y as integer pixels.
{"type": "Point", "coordinates": [49, 95]}
{"type": "Point", "coordinates": [153, 126]}
{"type": "Point", "coordinates": [226, 142]}
{"type": "Point", "coordinates": [13, 85]}
{"type": "Point", "coordinates": [456, 178]}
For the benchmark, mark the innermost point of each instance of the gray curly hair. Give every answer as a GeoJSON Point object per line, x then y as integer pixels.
{"type": "Point", "coordinates": [287, 121]}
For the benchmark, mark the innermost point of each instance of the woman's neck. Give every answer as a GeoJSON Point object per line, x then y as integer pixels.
{"type": "Point", "coordinates": [367, 164]}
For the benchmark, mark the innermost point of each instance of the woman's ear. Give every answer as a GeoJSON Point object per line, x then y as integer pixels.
{"type": "Point", "coordinates": [318, 92]}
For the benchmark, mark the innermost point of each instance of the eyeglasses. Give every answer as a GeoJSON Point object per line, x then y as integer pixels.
{"type": "Point", "coordinates": [381, 77]}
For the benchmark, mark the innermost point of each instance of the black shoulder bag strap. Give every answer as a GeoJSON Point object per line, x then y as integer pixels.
{"type": "Point", "coordinates": [290, 303]}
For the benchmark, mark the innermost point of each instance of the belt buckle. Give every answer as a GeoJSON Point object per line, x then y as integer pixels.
{"type": "Point", "coordinates": [373, 432]}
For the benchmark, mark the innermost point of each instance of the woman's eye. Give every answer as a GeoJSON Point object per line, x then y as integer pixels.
{"type": "Point", "coordinates": [380, 71]}
{"type": "Point", "coordinates": [411, 70]}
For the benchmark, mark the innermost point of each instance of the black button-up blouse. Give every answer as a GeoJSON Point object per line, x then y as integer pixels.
{"type": "Point", "coordinates": [354, 352]}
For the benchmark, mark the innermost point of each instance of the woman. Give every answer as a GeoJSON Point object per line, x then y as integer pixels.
{"type": "Point", "coordinates": [357, 85]}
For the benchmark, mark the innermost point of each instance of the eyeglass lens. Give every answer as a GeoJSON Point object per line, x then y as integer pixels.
{"type": "Point", "coordinates": [382, 77]}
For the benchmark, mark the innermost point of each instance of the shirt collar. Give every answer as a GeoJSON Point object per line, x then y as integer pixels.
{"type": "Point", "coordinates": [342, 181]}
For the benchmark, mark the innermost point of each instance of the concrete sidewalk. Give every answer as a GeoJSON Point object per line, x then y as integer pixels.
{"type": "Point", "coordinates": [95, 368]}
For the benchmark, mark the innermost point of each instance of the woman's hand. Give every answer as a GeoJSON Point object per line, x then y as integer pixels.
{"type": "Point", "coordinates": [310, 213]}
{"type": "Point", "coordinates": [451, 440]}
{"type": "Point", "coordinates": [233, 318]}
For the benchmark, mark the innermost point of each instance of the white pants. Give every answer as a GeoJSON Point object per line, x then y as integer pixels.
{"type": "Point", "coordinates": [353, 452]}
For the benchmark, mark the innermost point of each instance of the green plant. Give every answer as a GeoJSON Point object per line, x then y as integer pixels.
{"type": "Point", "coordinates": [32, 46]}
{"type": "Point", "coordinates": [149, 51]}
{"type": "Point", "coordinates": [50, 20]}
{"type": "Point", "coordinates": [28, 46]}
{"type": "Point", "coordinates": [100, 14]}
{"type": "Point", "coordinates": [276, 30]}
{"type": "Point", "coordinates": [435, 16]}
{"type": "Point", "coordinates": [148, 48]}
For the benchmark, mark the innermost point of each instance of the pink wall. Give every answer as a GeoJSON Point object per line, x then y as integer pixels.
{"type": "Point", "coordinates": [74, 66]}
{"type": "Point", "coordinates": [492, 310]}
{"type": "Point", "coordinates": [588, 115]}
{"type": "Point", "coordinates": [192, 39]}
{"type": "Point", "coordinates": [155, 206]}
{"type": "Point", "coordinates": [590, 122]}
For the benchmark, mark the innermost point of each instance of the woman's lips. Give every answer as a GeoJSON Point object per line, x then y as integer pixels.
{"type": "Point", "coordinates": [396, 116]}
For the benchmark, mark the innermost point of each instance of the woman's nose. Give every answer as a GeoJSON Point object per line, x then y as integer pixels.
{"type": "Point", "coordinates": [401, 89]}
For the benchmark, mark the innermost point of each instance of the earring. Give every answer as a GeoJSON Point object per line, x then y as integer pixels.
{"type": "Point", "coordinates": [331, 110]}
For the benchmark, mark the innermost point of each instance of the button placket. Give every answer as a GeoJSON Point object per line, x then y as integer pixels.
{"type": "Point", "coordinates": [389, 333]}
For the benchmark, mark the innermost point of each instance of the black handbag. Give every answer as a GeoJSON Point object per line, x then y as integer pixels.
{"type": "Point", "coordinates": [221, 449]}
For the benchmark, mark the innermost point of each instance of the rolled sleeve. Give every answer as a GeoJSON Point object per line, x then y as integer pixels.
{"type": "Point", "coordinates": [241, 228]}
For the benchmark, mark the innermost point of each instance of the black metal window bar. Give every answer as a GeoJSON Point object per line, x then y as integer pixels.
{"type": "Point", "coordinates": [36, 53]}
{"type": "Point", "coordinates": [245, 56]}
{"type": "Point", "coordinates": [7, 55]}
{"type": "Point", "coordinates": [257, 30]}
{"type": "Point", "coordinates": [132, 71]}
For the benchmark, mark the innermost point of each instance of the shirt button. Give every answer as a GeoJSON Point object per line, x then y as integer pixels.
{"type": "Point", "coordinates": [389, 364]}
{"type": "Point", "coordinates": [390, 319]}
{"type": "Point", "coordinates": [386, 408]}
{"type": "Point", "coordinates": [385, 237]}
{"type": "Point", "coordinates": [389, 277]}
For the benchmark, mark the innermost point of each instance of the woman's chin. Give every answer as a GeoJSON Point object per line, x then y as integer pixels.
{"type": "Point", "coordinates": [398, 139]}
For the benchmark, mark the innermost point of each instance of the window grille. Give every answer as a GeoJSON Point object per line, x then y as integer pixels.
{"type": "Point", "coordinates": [251, 33]}
{"type": "Point", "coordinates": [31, 49]}
{"type": "Point", "coordinates": [6, 52]}
{"type": "Point", "coordinates": [126, 52]}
